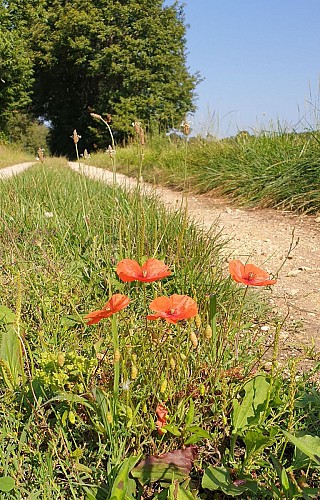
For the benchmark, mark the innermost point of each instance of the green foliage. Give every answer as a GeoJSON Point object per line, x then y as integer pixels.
{"type": "Point", "coordinates": [63, 372]}
{"type": "Point", "coordinates": [126, 59]}
{"type": "Point", "coordinates": [11, 365]}
{"type": "Point", "coordinates": [276, 169]}
{"type": "Point", "coordinates": [67, 430]}
{"type": "Point", "coordinates": [16, 71]}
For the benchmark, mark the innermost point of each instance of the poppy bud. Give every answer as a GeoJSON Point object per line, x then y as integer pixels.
{"type": "Point", "coordinates": [172, 363]}
{"type": "Point", "coordinates": [71, 417]}
{"type": "Point", "coordinates": [197, 321]}
{"type": "Point", "coordinates": [202, 390]}
{"type": "Point", "coordinates": [109, 418]}
{"type": "Point", "coordinates": [61, 359]}
{"type": "Point", "coordinates": [208, 332]}
{"type": "Point", "coordinates": [117, 356]}
{"type": "Point", "coordinates": [164, 386]}
{"type": "Point", "coordinates": [134, 372]}
{"type": "Point", "coordinates": [194, 339]}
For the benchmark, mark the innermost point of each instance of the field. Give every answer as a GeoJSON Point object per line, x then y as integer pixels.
{"type": "Point", "coordinates": [99, 401]}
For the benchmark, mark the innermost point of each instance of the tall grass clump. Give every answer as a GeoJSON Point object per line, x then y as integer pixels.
{"type": "Point", "coordinates": [277, 169]}
{"type": "Point", "coordinates": [131, 364]}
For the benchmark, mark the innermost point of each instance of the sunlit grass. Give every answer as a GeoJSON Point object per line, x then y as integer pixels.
{"type": "Point", "coordinates": [11, 155]}
{"type": "Point", "coordinates": [271, 169]}
{"type": "Point", "coordinates": [67, 427]}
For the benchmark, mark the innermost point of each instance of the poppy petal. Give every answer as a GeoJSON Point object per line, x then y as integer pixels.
{"type": "Point", "coordinates": [95, 316]}
{"type": "Point", "coordinates": [117, 302]}
{"type": "Point", "coordinates": [249, 274]}
{"type": "Point", "coordinates": [155, 269]}
{"type": "Point", "coordinates": [128, 270]}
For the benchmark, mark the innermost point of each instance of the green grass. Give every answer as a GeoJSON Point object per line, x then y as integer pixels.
{"type": "Point", "coordinates": [61, 433]}
{"type": "Point", "coordinates": [272, 169]}
{"type": "Point", "coordinates": [12, 155]}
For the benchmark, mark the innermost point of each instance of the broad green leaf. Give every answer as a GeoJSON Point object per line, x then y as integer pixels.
{"type": "Point", "coordinates": [6, 484]}
{"type": "Point", "coordinates": [172, 466]}
{"type": "Point", "coordinates": [219, 479]}
{"type": "Point", "coordinates": [197, 434]}
{"type": "Point", "coordinates": [257, 439]}
{"type": "Point", "coordinates": [6, 315]}
{"type": "Point", "coordinates": [309, 445]}
{"type": "Point", "coordinates": [173, 429]}
{"type": "Point", "coordinates": [11, 354]}
{"type": "Point", "coordinates": [250, 409]}
{"type": "Point", "coordinates": [122, 482]}
{"type": "Point", "coordinates": [177, 492]}
{"type": "Point", "coordinates": [190, 413]}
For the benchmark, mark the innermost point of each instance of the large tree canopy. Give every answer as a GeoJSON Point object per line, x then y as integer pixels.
{"type": "Point", "coordinates": [15, 70]}
{"type": "Point", "coordinates": [125, 58]}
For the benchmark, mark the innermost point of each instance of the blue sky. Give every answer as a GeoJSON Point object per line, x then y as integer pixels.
{"type": "Point", "coordinates": [260, 60]}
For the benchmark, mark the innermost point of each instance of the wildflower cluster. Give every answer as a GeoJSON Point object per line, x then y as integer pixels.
{"type": "Point", "coordinates": [172, 309]}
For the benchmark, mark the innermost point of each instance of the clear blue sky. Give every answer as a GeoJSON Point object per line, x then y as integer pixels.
{"type": "Point", "coordinates": [260, 60]}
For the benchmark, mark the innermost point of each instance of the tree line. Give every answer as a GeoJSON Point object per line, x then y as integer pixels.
{"type": "Point", "coordinates": [123, 59]}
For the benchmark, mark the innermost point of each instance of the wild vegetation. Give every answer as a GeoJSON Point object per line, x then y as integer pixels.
{"type": "Point", "coordinates": [100, 399]}
{"type": "Point", "coordinates": [125, 60]}
{"type": "Point", "coordinates": [274, 169]}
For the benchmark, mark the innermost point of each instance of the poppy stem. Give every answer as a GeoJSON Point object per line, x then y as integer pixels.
{"type": "Point", "coordinates": [145, 303]}
{"type": "Point", "coordinates": [236, 339]}
{"type": "Point", "coordinates": [115, 341]}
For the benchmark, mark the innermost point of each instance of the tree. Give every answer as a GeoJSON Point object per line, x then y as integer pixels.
{"type": "Point", "coordinates": [125, 58]}
{"type": "Point", "coordinates": [16, 71]}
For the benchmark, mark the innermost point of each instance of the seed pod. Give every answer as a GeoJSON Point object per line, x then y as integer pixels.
{"type": "Point", "coordinates": [164, 386]}
{"type": "Point", "coordinates": [197, 321]}
{"type": "Point", "coordinates": [194, 339]}
{"type": "Point", "coordinates": [117, 356]}
{"type": "Point", "coordinates": [172, 363]}
{"type": "Point", "coordinates": [71, 417]}
{"type": "Point", "coordinates": [61, 359]}
{"type": "Point", "coordinates": [109, 418]}
{"type": "Point", "coordinates": [208, 332]}
{"type": "Point", "coordinates": [134, 372]}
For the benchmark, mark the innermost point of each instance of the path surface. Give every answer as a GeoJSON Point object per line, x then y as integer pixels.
{"type": "Point", "coordinates": [7, 172]}
{"type": "Point", "coordinates": [262, 237]}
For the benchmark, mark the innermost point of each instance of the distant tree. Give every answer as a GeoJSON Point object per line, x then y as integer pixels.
{"type": "Point", "coordinates": [16, 72]}
{"type": "Point", "coordinates": [125, 58]}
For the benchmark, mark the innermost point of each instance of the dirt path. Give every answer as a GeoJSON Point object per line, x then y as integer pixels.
{"type": "Point", "coordinates": [7, 172]}
{"type": "Point", "coordinates": [262, 237]}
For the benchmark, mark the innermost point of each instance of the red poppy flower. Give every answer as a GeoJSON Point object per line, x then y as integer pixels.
{"type": "Point", "coordinates": [151, 270]}
{"type": "Point", "coordinates": [249, 274]}
{"type": "Point", "coordinates": [114, 304]}
{"type": "Point", "coordinates": [173, 308]}
{"type": "Point", "coordinates": [161, 412]}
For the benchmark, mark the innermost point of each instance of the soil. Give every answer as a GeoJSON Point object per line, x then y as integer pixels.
{"type": "Point", "coordinates": [283, 243]}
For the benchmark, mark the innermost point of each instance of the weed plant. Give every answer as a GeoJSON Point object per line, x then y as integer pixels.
{"type": "Point", "coordinates": [83, 404]}
{"type": "Point", "coordinates": [271, 169]}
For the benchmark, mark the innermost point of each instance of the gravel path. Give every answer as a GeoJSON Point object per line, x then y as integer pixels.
{"type": "Point", "coordinates": [283, 243]}
{"type": "Point", "coordinates": [7, 172]}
